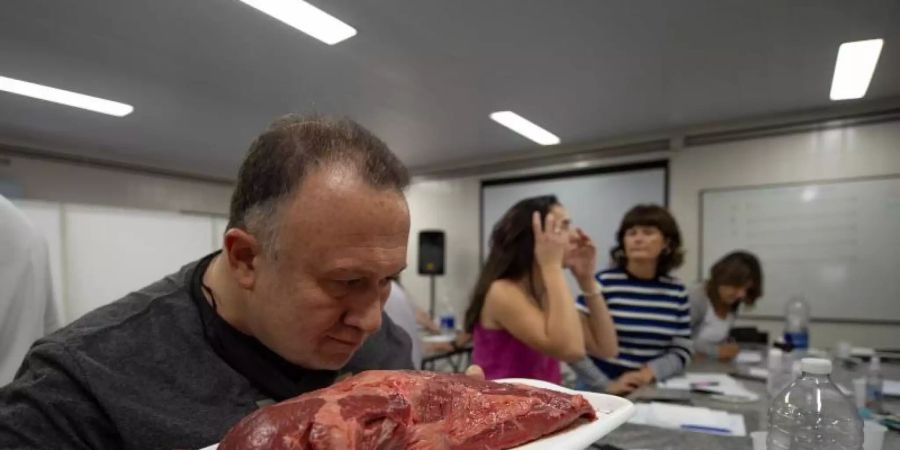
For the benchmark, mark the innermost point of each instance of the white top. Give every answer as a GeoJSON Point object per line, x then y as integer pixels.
{"type": "Point", "coordinates": [714, 329]}
{"type": "Point", "coordinates": [707, 329]}
{"type": "Point", "coordinates": [27, 311]}
{"type": "Point", "coordinates": [400, 309]}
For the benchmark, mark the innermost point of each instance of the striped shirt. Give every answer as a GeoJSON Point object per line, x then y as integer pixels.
{"type": "Point", "coordinates": [653, 322]}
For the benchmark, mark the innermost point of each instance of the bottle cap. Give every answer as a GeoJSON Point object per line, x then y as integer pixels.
{"type": "Point", "coordinates": [816, 366]}
{"type": "Point", "coordinates": [875, 363]}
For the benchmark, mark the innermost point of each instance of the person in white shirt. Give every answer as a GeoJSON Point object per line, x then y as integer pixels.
{"type": "Point", "coordinates": [404, 311]}
{"type": "Point", "coordinates": [27, 311]}
{"type": "Point", "coordinates": [400, 308]}
{"type": "Point", "coordinates": [734, 280]}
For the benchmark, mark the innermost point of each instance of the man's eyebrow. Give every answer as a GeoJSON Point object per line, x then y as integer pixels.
{"type": "Point", "coordinates": [361, 270]}
{"type": "Point", "coordinates": [347, 270]}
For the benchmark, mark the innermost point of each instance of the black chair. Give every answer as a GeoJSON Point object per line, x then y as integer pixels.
{"type": "Point", "coordinates": [749, 335]}
{"type": "Point", "coordinates": [459, 359]}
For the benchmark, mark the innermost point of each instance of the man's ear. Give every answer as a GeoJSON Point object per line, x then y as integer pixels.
{"type": "Point", "coordinates": [241, 250]}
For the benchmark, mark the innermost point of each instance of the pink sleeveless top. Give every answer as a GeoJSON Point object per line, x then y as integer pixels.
{"type": "Point", "coordinates": [503, 356]}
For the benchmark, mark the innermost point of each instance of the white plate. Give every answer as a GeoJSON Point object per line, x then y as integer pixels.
{"type": "Point", "coordinates": [612, 412]}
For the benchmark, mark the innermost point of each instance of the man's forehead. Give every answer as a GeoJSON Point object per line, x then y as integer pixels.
{"type": "Point", "coordinates": [336, 217]}
{"type": "Point", "coordinates": [330, 192]}
{"type": "Point", "coordinates": [351, 225]}
{"type": "Point", "coordinates": [352, 244]}
{"type": "Point", "coordinates": [350, 236]}
{"type": "Point", "coordinates": [336, 256]}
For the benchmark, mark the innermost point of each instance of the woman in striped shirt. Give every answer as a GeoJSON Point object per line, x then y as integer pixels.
{"type": "Point", "coordinates": [650, 309]}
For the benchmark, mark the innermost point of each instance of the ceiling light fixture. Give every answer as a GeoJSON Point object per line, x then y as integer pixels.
{"type": "Point", "coordinates": [854, 68]}
{"type": "Point", "coordinates": [64, 97]}
{"type": "Point", "coordinates": [524, 127]}
{"type": "Point", "coordinates": [306, 18]}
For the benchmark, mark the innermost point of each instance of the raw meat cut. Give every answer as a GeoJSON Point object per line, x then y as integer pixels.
{"type": "Point", "coordinates": [409, 410]}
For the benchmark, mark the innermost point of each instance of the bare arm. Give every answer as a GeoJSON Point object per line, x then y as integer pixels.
{"type": "Point", "coordinates": [599, 331]}
{"type": "Point", "coordinates": [600, 338]}
{"type": "Point", "coordinates": [424, 320]}
{"type": "Point", "coordinates": [554, 329]}
{"type": "Point", "coordinates": [554, 332]}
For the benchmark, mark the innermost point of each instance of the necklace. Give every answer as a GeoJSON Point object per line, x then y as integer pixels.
{"type": "Point", "coordinates": [212, 297]}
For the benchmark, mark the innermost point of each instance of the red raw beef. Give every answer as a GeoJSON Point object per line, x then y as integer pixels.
{"type": "Point", "coordinates": [409, 410]}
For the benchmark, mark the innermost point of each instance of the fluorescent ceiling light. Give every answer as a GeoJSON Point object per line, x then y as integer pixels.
{"type": "Point", "coordinates": [306, 18]}
{"type": "Point", "coordinates": [524, 127]}
{"type": "Point", "coordinates": [854, 68]}
{"type": "Point", "coordinates": [68, 98]}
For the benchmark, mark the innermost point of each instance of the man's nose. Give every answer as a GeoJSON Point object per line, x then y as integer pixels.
{"type": "Point", "coordinates": [365, 312]}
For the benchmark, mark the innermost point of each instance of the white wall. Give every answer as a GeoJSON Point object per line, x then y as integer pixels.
{"type": "Point", "coordinates": [452, 206]}
{"type": "Point", "coordinates": [72, 183]}
{"type": "Point", "coordinates": [109, 252]}
{"type": "Point", "coordinates": [867, 150]}
{"type": "Point", "coordinates": [98, 254]}
{"type": "Point", "coordinates": [48, 184]}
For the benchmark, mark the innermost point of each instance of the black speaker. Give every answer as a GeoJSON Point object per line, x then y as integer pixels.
{"type": "Point", "coordinates": [431, 252]}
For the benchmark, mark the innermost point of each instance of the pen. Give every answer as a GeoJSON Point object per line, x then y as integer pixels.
{"type": "Point", "coordinates": [705, 429]}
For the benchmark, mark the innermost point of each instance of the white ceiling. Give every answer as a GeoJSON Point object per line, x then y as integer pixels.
{"type": "Point", "coordinates": [205, 76]}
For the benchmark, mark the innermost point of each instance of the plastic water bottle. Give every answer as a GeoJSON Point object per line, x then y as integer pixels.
{"type": "Point", "coordinates": [447, 316]}
{"type": "Point", "coordinates": [448, 323]}
{"type": "Point", "coordinates": [796, 324]}
{"type": "Point", "coordinates": [779, 365]}
{"type": "Point", "coordinates": [812, 414]}
{"type": "Point", "coordinates": [843, 365]}
{"type": "Point", "coordinates": [874, 386]}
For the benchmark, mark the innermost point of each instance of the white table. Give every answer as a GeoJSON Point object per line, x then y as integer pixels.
{"type": "Point", "coordinates": [755, 417]}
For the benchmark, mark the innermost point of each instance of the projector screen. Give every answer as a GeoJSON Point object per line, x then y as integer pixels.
{"type": "Point", "coordinates": [596, 200]}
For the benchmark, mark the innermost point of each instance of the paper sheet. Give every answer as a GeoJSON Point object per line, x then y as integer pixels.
{"type": "Point", "coordinates": [892, 388]}
{"type": "Point", "coordinates": [759, 372]}
{"type": "Point", "coordinates": [711, 382]}
{"type": "Point", "coordinates": [692, 418]}
{"type": "Point", "coordinates": [748, 357]}
{"type": "Point", "coordinates": [685, 381]}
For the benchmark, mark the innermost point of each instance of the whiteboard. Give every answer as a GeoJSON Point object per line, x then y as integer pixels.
{"type": "Point", "coordinates": [47, 218]}
{"type": "Point", "coordinates": [835, 243]}
{"type": "Point", "coordinates": [111, 252]}
{"type": "Point", "coordinates": [596, 202]}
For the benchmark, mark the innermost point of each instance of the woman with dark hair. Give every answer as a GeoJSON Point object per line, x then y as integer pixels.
{"type": "Point", "coordinates": [734, 280]}
{"type": "Point", "coordinates": [522, 315]}
{"type": "Point", "coordinates": [650, 309]}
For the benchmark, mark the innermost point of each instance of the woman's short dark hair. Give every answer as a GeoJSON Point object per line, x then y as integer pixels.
{"type": "Point", "coordinates": [737, 268]}
{"type": "Point", "coordinates": [650, 215]}
{"type": "Point", "coordinates": [511, 250]}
